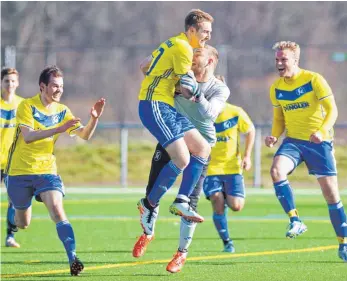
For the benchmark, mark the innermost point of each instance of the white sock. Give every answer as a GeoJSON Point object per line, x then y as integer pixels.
{"type": "Point", "coordinates": [187, 230]}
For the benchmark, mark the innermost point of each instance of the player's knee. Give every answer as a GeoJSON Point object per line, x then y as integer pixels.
{"type": "Point", "coordinates": [182, 161]}
{"type": "Point", "coordinates": [277, 173]}
{"type": "Point", "coordinates": [236, 207]}
{"type": "Point", "coordinates": [57, 212]}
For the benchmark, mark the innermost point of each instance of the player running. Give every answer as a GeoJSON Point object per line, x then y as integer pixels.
{"type": "Point", "coordinates": [304, 107]}
{"type": "Point", "coordinates": [8, 107]}
{"type": "Point", "coordinates": [32, 169]}
{"type": "Point", "coordinates": [224, 185]}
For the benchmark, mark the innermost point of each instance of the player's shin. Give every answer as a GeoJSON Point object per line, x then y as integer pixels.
{"type": "Point", "coordinates": [191, 175]}
{"type": "Point", "coordinates": [285, 196]}
{"type": "Point", "coordinates": [221, 224]}
{"type": "Point", "coordinates": [165, 180]}
{"type": "Point", "coordinates": [67, 237]}
{"type": "Point", "coordinates": [187, 229]}
{"type": "Point", "coordinates": [11, 224]}
{"type": "Point", "coordinates": [339, 221]}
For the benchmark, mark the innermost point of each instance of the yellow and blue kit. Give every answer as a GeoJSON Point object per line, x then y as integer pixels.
{"type": "Point", "coordinates": [224, 172]}
{"type": "Point", "coordinates": [32, 166]}
{"type": "Point", "coordinates": [7, 126]}
{"type": "Point", "coordinates": [171, 60]}
{"type": "Point", "coordinates": [300, 105]}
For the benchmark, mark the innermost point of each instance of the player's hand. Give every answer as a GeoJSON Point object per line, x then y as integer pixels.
{"type": "Point", "coordinates": [316, 137]}
{"type": "Point", "coordinates": [189, 83]}
{"type": "Point", "coordinates": [98, 108]}
{"type": "Point", "coordinates": [270, 141]}
{"type": "Point", "coordinates": [246, 163]}
{"type": "Point", "coordinates": [69, 124]}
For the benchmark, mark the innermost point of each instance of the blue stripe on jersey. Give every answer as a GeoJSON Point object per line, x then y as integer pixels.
{"type": "Point", "coordinates": [47, 120]}
{"type": "Point", "coordinates": [6, 126]}
{"type": "Point", "coordinates": [295, 94]}
{"type": "Point", "coordinates": [8, 114]}
{"type": "Point", "coordinates": [225, 125]}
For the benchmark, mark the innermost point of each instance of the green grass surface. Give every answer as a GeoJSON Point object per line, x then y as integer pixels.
{"type": "Point", "coordinates": [89, 164]}
{"type": "Point", "coordinates": [106, 227]}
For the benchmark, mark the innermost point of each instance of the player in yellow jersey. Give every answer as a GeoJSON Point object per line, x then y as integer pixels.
{"type": "Point", "coordinates": [304, 107]}
{"type": "Point", "coordinates": [224, 185]}
{"type": "Point", "coordinates": [188, 150]}
{"type": "Point", "coordinates": [31, 170]}
{"type": "Point", "coordinates": [8, 108]}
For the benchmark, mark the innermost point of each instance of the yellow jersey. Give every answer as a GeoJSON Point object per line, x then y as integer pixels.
{"type": "Point", "coordinates": [226, 155]}
{"type": "Point", "coordinates": [7, 126]}
{"type": "Point", "coordinates": [172, 59]}
{"type": "Point", "coordinates": [37, 157]}
{"type": "Point", "coordinates": [299, 97]}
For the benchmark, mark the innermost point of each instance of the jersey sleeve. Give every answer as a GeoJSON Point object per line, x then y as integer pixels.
{"type": "Point", "coordinates": [273, 98]}
{"type": "Point", "coordinates": [69, 116]}
{"type": "Point", "coordinates": [212, 108]}
{"type": "Point", "coordinates": [24, 115]}
{"type": "Point", "coordinates": [321, 87]}
{"type": "Point", "coordinates": [182, 58]}
{"type": "Point", "coordinates": [245, 122]}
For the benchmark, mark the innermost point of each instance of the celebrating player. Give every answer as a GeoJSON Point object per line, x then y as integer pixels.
{"type": "Point", "coordinates": [224, 184]}
{"type": "Point", "coordinates": [32, 167]}
{"type": "Point", "coordinates": [201, 112]}
{"type": "Point", "coordinates": [8, 108]}
{"type": "Point", "coordinates": [304, 106]}
{"type": "Point", "coordinates": [188, 150]}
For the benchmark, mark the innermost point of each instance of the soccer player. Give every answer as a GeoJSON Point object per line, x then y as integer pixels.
{"type": "Point", "coordinates": [304, 107]}
{"type": "Point", "coordinates": [32, 169]}
{"type": "Point", "coordinates": [201, 112]}
{"type": "Point", "coordinates": [224, 185]}
{"type": "Point", "coordinates": [188, 150]}
{"type": "Point", "coordinates": [8, 106]}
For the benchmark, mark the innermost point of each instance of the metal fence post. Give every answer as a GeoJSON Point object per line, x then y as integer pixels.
{"type": "Point", "coordinates": [124, 132]}
{"type": "Point", "coordinates": [10, 56]}
{"type": "Point", "coordinates": [257, 158]}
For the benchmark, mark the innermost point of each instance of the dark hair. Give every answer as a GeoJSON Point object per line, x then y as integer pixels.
{"type": "Point", "coordinates": [196, 16]}
{"type": "Point", "coordinates": [47, 72]}
{"type": "Point", "coordinates": [8, 71]}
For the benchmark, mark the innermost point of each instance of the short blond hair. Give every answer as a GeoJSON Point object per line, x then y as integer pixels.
{"type": "Point", "coordinates": [288, 45]}
{"type": "Point", "coordinates": [195, 17]}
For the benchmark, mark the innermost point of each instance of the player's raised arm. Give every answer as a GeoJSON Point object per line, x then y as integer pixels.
{"type": "Point", "coordinates": [96, 111]}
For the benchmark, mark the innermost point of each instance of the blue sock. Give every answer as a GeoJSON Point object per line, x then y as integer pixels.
{"type": "Point", "coordinates": [11, 212]}
{"type": "Point", "coordinates": [66, 235]}
{"type": "Point", "coordinates": [285, 195]}
{"type": "Point", "coordinates": [191, 175]}
{"type": "Point", "coordinates": [338, 220]}
{"type": "Point", "coordinates": [164, 182]}
{"type": "Point", "coordinates": [221, 224]}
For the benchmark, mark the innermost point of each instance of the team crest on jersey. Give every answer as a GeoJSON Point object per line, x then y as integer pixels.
{"type": "Point", "coordinates": [157, 155]}
{"type": "Point", "coordinates": [300, 91]}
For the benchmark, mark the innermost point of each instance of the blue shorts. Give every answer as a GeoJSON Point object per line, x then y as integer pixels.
{"type": "Point", "coordinates": [163, 121]}
{"type": "Point", "coordinates": [21, 189]}
{"type": "Point", "coordinates": [319, 158]}
{"type": "Point", "coordinates": [228, 184]}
